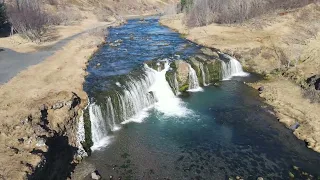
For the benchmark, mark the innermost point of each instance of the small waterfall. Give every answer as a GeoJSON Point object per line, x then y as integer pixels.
{"type": "Point", "coordinates": [81, 137]}
{"type": "Point", "coordinates": [193, 80]}
{"type": "Point", "coordinates": [203, 74]}
{"type": "Point", "coordinates": [167, 102]}
{"type": "Point", "coordinates": [232, 68]}
{"type": "Point", "coordinates": [130, 102]}
{"type": "Point", "coordinates": [98, 126]}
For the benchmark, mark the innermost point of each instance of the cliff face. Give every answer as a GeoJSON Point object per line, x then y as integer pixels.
{"type": "Point", "coordinates": [40, 110]}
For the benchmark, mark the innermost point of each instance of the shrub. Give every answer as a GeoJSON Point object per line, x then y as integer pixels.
{"type": "Point", "coordinates": [204, 12]}
{"type": "Point", "coordinates": [4, 23]}
{"type": "Point", "coordinates": [28, 18]}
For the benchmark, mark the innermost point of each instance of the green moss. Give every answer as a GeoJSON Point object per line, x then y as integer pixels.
{"type": "Point", "coordinates": [88, 136]}
{"type": "Point", "coordinates": [184, 88]}
{"type": "Point", "coordinates": [173, 66]}
{"type": "Point", "coordinates": [214, 69]}
{"type": "Point", "coordinates": [170, 80]}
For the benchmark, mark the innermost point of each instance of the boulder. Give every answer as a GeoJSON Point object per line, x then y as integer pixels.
{"type": "Point", "coordinates": [314, 81]}
{"type": "Point", "coordinates": [95, 175]}
{"type": "Point", "coordinates": [261, 88]}
{"type": "Point", "coordinates": [182, 69]}
{"type": "Point", "coordinates": [260, 178]}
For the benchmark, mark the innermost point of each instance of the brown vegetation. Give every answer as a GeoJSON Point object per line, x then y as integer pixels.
{"type": "Point", "coordinates": [204, 12]}
{"type": "Point", "coordinates": [28, 18]}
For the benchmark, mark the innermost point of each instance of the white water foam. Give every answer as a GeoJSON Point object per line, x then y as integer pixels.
{"type": "Point", "coordinates": [81, 137]}
{"type": "Point", "coordinates": [193, 81]}
{"type": "Point", "coordinates": [232, 68]}
{"type": "Point", "coordinates": [99, 131]}
{"type": "Point", "coordinates": [167, 102]}
{"type": "Point", "coordinates": [133, 105]}
{"type": "Point", "coordinates": [203, 74]}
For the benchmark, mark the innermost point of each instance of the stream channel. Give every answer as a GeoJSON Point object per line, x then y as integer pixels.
{"type": "Point", "coordinates": [215, 132]}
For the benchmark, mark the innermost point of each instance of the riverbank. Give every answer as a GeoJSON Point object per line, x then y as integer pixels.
{"type": "Point", "coordinates": [285, 47]}
{"type": "Point", "coordinates": [40, 107]}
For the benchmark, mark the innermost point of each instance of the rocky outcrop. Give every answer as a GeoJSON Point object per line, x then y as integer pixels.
{"type": "Point", "coordinates": [181, 69]}
{"type": "Point", "coordinates": [47, 137]}
{"type": "Point", "coordinates": [314, 81]}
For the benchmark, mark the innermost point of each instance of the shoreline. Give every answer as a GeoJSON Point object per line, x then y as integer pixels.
{"type": "Point", "coordinates": [297, 114]}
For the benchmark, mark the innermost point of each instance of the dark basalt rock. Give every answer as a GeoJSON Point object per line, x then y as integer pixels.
{"type": "Point", "coordinates": [260, 89]}
{"type": "Point", "coordinates": [314, 81]}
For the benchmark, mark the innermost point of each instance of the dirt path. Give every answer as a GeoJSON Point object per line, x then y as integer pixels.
{"type": "Point", "coordinates": [12, 62]}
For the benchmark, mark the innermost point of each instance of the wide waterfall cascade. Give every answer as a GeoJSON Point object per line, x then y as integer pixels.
{"type": "Point", "coordinates": [132, 102]}
{"type": "Point", "coordinates": [167, 102]}
{"type": "Point", "coordinates": [232, 68]}
{"type": "Point", "coordinates": [203, 74]}
{"type": "Point", "coordinates": [193, 80]}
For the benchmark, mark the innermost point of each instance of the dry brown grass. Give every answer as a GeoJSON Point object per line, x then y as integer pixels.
{"type": "Point", "coordinates": [204, 12]}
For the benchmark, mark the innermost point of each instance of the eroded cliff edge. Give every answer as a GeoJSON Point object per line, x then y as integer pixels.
{"type": "Point", "coordinates": [40, 110]}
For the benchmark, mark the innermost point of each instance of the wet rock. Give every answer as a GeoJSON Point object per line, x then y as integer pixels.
{"type": "Point", "coordinates": [95, 175]}
{"type": "Point", "coordinates": [291, 175]}
{"type": "Point", "coordinates": [261, 89]}
{"type": "Point", "coordinates": [118, 41]}
{"type": "Point", "coordinates": [57, 105]}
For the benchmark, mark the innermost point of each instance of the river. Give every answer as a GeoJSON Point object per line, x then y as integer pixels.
{"type": "Point", "coordinates": [215, 133]}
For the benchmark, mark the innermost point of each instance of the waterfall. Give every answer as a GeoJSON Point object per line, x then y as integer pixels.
{"type": "Point", "coordinates": [98, 127]}
{"type": "Point", "coordinates": [193, 80]}
{"type": "Point", "coordinates": [231, 68]}
{"type": "Point", "coordinates": [167, 102]}
{"type": "Point", "coordinates": [81, 137]}
{"type": "Point", "coordinates": [203, 74]}
{"type": "Point", "coordinates": [131, 102]}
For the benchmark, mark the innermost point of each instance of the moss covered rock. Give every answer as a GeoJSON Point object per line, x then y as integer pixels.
{"type": "Point", "coordinates": [213, 68]}
{"type": "Point", "coordinates": [88, 135]}
{"type": "Point", "coordinates": [182, 70]}
{"type": "Point", "coordinates": [156, 65]}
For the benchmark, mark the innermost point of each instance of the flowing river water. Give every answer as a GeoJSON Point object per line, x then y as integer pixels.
{"type": "Point", "coordinates": [213, 132]}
